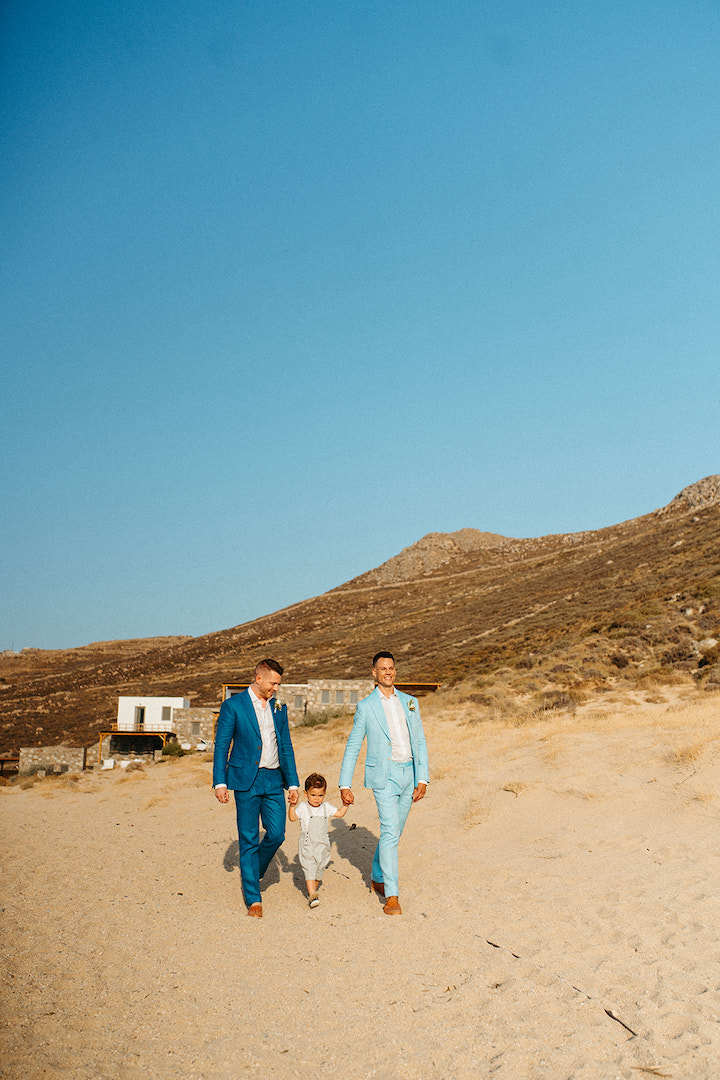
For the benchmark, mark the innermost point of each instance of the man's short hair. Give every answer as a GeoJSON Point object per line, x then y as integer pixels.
{"type": "Point", "coordinates": [315, 780]}
{"type": "Point", "coordinates": [382, 656]}
{"type": "Point", "coordinates": [269, 665]}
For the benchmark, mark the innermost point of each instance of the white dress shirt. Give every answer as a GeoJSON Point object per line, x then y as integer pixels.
{"type": "Point", "coordinates": [263, 712]}
{"type": "Point", "coordinates": [397, 727]}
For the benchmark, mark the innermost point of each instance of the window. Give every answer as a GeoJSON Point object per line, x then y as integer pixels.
{"type": "Point", "coordinates": [353, 697]}
{"type": "Point", "coordinates": [299, 702]}
{"type": "Point", "coordinates": [339, 697]}
{"type": "Point", "coordinates": [195, 731]}
{"type": "Point", "coordinates": [166, 712]}
{"type": "Point", "coordinates": [325, 697]}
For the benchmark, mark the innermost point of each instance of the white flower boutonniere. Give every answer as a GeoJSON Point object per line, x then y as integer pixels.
{"type": "Point", "coordinates": [411, 706]}
{"type": "Point", "coordinates": [279, 705]}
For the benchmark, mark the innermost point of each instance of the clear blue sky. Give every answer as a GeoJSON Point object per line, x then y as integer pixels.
{"type": "Point", "coordinates": [287, 285]}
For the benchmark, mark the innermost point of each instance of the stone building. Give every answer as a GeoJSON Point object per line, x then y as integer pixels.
{"type": "Point", "coordinates": [51, 759]}
{"type": "Point", "coordinates": [148, 713]}
{"type": "Point", "coordinates": [304, 700]}
{"type": "Point", "coordinates": [143, 726]}
{"type": "Point", "coordinates": [195, 728]}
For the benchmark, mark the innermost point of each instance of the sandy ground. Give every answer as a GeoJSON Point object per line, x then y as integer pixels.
{"type": "Point", "coordinates": [560, 890]}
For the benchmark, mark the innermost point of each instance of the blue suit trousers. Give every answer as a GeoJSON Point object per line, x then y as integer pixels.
{"type": "Point", "coordinates": [264, 801]}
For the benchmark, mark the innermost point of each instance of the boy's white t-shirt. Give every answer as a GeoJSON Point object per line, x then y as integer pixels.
{"type": "Point", "coordinates": [305, 811]}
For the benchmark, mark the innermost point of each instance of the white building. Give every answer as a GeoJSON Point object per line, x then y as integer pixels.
{"type": "Point", "coordinates": [148, 713]}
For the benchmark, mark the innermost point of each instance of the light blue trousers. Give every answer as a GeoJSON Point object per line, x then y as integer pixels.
{"type": "Point", "coordinates": [393, 806]}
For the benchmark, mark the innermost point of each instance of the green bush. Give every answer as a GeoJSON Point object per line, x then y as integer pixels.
{"type": "Point", "coordinates": [172, 748]}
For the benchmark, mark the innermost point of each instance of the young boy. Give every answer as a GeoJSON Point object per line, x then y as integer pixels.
{"type": "Point", "coordinates": [314, 844]}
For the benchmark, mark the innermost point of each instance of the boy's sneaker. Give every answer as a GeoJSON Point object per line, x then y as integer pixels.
{"type": "Point", "coordinates": [314, 900]}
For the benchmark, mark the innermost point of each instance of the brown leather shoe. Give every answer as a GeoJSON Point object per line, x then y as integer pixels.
{"type": "Point", "coordinates": [256, 910]}
{"type": "Point", "coordinates": [378, 887]}
{"type": "Point", "coordinates": [392, 906]}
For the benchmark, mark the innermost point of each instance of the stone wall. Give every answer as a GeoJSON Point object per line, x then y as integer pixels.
{"type": "Point", "coordinates": [316, 696]}
{"type": "Point", "coordinates": [53, 759]}
{"type": "Point", "coordinates": [194, 725]}
{"type": "Point", "coordinates": [324, 695]}
{"type": "Point", "coordinates": [295, 697]}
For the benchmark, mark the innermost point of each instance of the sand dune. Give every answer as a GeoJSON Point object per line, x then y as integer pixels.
{"type": "Point", "coordinates": [560, 891]}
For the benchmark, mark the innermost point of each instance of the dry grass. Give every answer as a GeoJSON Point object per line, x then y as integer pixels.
{"type": "Point", "coordinates": [595, 720]}
{"type": "Point", "coordinates": [201, 777]}
{"type": "Point", "coordinates": [515, 787]}
{"type": "Point", "coordinates": [682, 757]}
{"type": "Point", "coordinates": [475, 813]}
{"type": "Point", "coordinates": [705, 798]}
{"type": "Point", "coordinates": [579, 793]}
{"type": "Point", "coordinates": [155, 800]}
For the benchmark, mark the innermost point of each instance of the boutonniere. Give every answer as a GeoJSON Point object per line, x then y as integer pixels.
{"type": "Point", "coordinates": [279, 705]}
{"type": "Point", "coordinates": [411, 706]}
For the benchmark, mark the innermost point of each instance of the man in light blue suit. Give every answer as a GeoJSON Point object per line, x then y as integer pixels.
{"type": "Point", "coordinates": [396, 768]}
{"type": "Point", "coordinates": [259, 766]}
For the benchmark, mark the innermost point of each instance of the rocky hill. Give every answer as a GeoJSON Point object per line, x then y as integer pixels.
{"type": "Point", "coordinates": [632, 602]}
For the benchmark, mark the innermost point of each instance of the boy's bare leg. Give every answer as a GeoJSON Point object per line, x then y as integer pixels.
{"type": "Point", "coordinates": [312, 888]}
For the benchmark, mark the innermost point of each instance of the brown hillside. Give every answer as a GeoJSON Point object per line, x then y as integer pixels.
{"type": "Point", "coordinates": [636, 601]}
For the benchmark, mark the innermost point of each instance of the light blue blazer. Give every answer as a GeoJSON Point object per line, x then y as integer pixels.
{"type": "Point", "coordinates": [370, 723]}
{"type": "Point", "coordinates": [237, 726]}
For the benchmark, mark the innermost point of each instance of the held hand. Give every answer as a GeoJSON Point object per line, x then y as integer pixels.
{"type": "Point", "coordinates": [222, 794]}
{"type": "Point", "coordinates": [419, 792]}
{"type": "Point", "coordinates": [347, 796]}
{"type": "Point", "coordinates": [293, 797]}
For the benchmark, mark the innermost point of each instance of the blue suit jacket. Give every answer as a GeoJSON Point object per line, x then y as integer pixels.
{"type": "Point", "coordinates": [370, 723]}
{"type": "Point", "coordinates": [237, 725]}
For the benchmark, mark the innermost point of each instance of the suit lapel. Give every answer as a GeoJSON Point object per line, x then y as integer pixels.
{"type": "Point", "coordinates": [275, 713]}
{"type": "Point", "coordinates": [246, 702]}
{"type": "Point", "coordinates": [380, 711]}
{"type": "Point", "coordinates": [408, 718]}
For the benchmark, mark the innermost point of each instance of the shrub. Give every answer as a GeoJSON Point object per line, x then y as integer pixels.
{"type": "Point", "coordinates": [710, 657]}
{"type": "Point", "coordinates": [315, 718]}
{"type": "Point", "coordinates": [709, 589]}
{"type": "Point", "coordinates": [172, 748]}
{"type": "Point", "coordinates": [558, 699]}
{"type": "Point", "coordinates": [677, 654]}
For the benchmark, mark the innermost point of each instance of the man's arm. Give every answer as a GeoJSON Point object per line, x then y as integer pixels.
{"type": "Point", "coordinates": [224, 734]}
{"type": "Point", "coordinates": [352, 750]}
{"type": "Point", "coordinates": [287, 755]}
{"type": "Point", "coordinates": [422, 765]}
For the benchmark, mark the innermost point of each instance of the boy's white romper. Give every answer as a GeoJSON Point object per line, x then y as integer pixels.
{"type": "Point", "coordinates": [314, 843]}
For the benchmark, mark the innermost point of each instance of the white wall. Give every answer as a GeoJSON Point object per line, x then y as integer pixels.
{"type": "Point", "coordinates": [153, 712]}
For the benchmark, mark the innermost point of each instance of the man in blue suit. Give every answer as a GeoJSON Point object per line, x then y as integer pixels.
{"type": "Point", "coordinates": [259, 766]}
{"type": "Point", "coordinates": [396, 768]}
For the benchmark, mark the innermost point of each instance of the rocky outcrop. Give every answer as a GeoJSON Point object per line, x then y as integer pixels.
{"type": "Point", "coordinates": [694, 497]}
{"type": "Point", "coordinates": [431, 552]}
